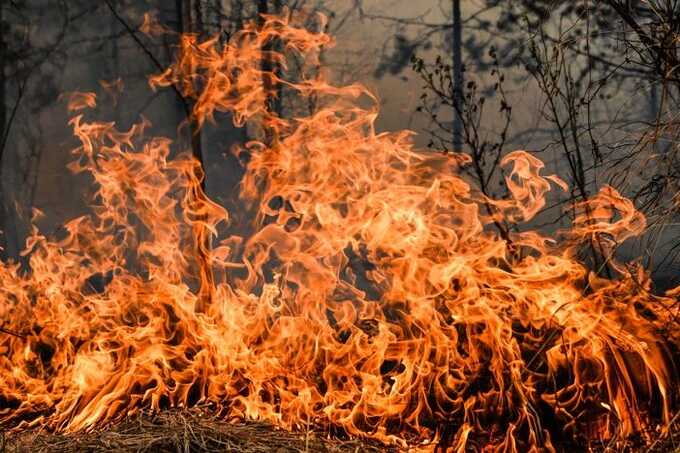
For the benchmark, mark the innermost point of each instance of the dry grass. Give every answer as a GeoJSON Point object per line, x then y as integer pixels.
{"type": "Point", "coordinates": [182, 431]}
{"type": "Point", "coordinates": [193, 430]}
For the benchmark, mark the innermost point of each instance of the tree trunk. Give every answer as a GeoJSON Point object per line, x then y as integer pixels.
{"type": "Point", "coordinates": [277, 102]}
{"type": "Point", "coordinates": [457, 31]}
{"type": "Point", "coordinates": [274, 102]}
{"type": "Point", "coordinates": [202, 239]}
{"type": "Point", "coordinates": [4, 212]}
{"type": "Point", "coordinates": [263, 8]}
{"type": "Point", "coordinates": [185, 8]}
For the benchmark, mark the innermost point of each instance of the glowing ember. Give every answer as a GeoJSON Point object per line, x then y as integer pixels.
{"type": "Point", "coordinates": [374, 296]}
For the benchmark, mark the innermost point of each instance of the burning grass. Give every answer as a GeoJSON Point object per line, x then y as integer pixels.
{"type": "Point", "coordinates": [372, 298]}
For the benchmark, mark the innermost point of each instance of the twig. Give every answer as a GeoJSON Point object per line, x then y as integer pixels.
{"type": "Point", "coordinates": [663, 435]}
{"type": "Point", "coordinates": [12, 333]}
{"type": "Point", "coordinates": [8, 127]}
{"type": "Point", "coordinates": [147, 52]}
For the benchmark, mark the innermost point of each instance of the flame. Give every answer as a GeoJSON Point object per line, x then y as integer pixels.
{"type": "Point", "coordinates": [113, 88]}
{"type": "Point", "coordinates": [151, 26]}
{"type": "Point", "coordinates": [78, 100]}
{"type": "Point", "coordinates": [372, 297]}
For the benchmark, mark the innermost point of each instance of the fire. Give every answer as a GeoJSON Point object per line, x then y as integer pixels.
{"type": "Point", "coordinates": [372, 297]}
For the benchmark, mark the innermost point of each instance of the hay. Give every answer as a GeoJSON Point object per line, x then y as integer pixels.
{"type": "Point", "coordinates": [183, 431]}
{"type": "Point", "coordinates": [194, 430]}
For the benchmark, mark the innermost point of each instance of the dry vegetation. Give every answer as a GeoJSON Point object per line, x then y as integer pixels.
{"type": "Point", "coordinates": [183, 431]}
{"type": "Point", "coordinates": [194, 430]}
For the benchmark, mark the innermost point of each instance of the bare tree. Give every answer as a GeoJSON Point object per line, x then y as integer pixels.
{"type": "Point", "coordinates": [19, 59]}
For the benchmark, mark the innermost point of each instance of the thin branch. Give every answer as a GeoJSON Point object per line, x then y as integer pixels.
{"type": "Point", "coordinates": [10, 121]}
{"type": "Point", "coordinates": [133, 34]}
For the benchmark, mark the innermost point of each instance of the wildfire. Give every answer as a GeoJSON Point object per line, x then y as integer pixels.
{"type": "Point", "coordinates": [373, 297]}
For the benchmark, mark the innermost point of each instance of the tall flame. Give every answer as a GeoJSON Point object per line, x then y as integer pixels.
{"type": "Point", "coordinates": [373, 296]}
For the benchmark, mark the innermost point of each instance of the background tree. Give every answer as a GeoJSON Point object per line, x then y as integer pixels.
{"type": "Point", "coordinates": [24, 65]}
{"type": "Point", "coordinates": [591, 65]}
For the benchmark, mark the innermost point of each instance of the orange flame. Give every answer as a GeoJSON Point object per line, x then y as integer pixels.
{"type": "Point", "coordinates": [372, 296]}
{"type": "Point", "coordinates": [78, 100]}
{"type": "Point", "coordinates": [113, 88]}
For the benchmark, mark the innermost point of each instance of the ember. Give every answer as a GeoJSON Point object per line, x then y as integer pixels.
{"type": "Point", "coordinates": [372, 298]}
